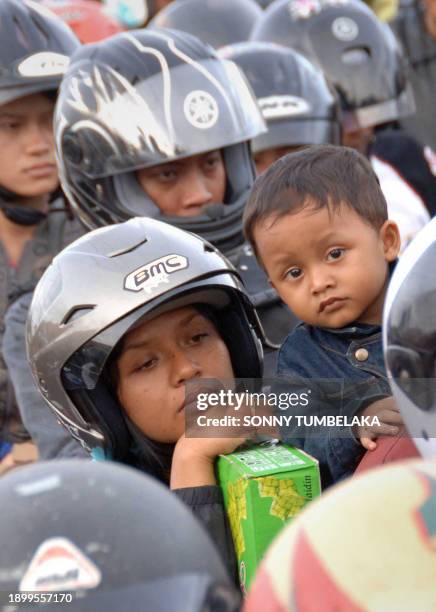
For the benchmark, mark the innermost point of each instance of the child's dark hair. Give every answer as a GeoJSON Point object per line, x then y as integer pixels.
{"type": "Point", "coordinates": [320, 176]}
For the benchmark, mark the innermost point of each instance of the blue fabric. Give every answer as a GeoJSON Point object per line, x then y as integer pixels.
{"type": "Point", "coordinates": [330, 354]}
{"type": "Point", "coordinates": [5, 449]}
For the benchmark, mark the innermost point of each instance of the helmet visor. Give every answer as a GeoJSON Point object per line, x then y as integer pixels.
{"type": "Point", "coordinates": [85, 366]}
{"type": "Point", "coordinates": [177, 113]}
{"type": "Point", "coordinates": [410, 350]}
{"type": "Point", "coordinates": [376, 114]}
{"type": "Point", "coordinates": [299, 132]}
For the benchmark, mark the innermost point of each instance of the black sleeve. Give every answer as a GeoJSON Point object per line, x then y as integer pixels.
{"type": "Point", "coordinates": [207, 505]}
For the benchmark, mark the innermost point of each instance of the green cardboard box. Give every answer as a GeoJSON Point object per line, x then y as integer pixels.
{"type": "Point", "coordinates": [264, 488]}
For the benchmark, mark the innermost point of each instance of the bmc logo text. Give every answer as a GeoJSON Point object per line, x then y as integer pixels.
{"type": "Point", "coordinates": [152, 274]}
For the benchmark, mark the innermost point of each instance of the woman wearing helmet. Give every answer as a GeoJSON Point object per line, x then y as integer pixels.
{"type": "Point", "coordinates": [122, 321]}
{"type": "Point", "coordinates": [34, 53]}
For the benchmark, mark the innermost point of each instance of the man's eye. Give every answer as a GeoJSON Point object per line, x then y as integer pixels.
{"type": "Point", "coordinates": [294, 273]}
{"type": "Point", "coordinates": [167, 175]}
{"type": "Point", "coordinates": [9, 125]}
{"type": "Point", "coordinates": [335, 253]}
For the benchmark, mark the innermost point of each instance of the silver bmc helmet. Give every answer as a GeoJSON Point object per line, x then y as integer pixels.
{"type": "Point", "coordinates": [103, 284]}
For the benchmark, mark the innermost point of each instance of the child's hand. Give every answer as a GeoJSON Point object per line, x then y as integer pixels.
{"type": "Point", "coordinates": [390, 422]}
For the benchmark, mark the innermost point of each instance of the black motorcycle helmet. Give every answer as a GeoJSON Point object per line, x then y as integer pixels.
{"type": "Point", "coordinates": [96, 536]}
{"type": "Point", "coordinates": [358, 54]}
{"type": "Point", "coordinates": [35, 47]}
{"type": "Point", "coordinates": [410, 338]}
{"type": "Point", "coordinates": [101, 286]}
{"type": "Point", "coordinates": [217, 22]}
{"type": "Point", "coordinates": [131, 102]}
{"type": "Point", "coordinates": [297, 104]}
{"type": "Point", "coordinates": [264, 3]}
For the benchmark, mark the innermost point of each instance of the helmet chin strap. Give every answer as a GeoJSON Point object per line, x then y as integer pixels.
{"type": "Point", "coordinates": [21, 215]}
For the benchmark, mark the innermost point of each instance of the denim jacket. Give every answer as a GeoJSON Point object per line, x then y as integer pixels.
{"type": "Point", "coordinates": [352, 355]}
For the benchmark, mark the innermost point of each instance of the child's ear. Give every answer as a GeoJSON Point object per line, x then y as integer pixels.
{"type": "Point", "coordinates": [390, 236]}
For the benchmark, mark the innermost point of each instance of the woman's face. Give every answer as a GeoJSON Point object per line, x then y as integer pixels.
{"type": "Point", "coordinates": [157, 359]}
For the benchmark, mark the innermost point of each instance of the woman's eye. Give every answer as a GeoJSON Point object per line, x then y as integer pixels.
{"type": "Point", "coordinates": [335, 253]}
{"type": "Point", "coordinates": [199, 337]}
{"type": "Point", "coordinates": [167, 175]}
{"type": "Point", "coordinates": [212, 162]}
{"type": "Point", "coordinates": [146, 365]}
{"type": "Point", "coordinates": [294, 273]}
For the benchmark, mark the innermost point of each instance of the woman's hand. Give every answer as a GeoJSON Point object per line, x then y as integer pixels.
{"type": "Point", "coordinates": [193, 460]}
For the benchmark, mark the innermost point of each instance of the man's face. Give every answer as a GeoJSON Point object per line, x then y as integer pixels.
{"type": "Point", "coordinates": [264, 159]}
{"type": "Point", "coordinates": [331, 268]}
{"type": "Point", "coordinates": [182, 188]}
{"type": "Point", "coordinates": [359, 140]}
{"type": "Point", "coordinates": [27, 159]}
{"type": "Point", "coordinates": [430, 8]}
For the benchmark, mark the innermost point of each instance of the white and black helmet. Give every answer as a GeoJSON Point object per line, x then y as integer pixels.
{"type": "Point", "coordinates": [98, 536]}
{"type": "Point", "coordinates": [101, 285]}
{"type": "Point", "coordinates": [35, 49]}
{"type": "Point", "coordinates": [144, 98]}
{"type": "Point", "coordinates": [357, 52]}
{"type": "Point", "coordinates": [409, 329]}
{"type": "Point", "coordinates": [297, 104]}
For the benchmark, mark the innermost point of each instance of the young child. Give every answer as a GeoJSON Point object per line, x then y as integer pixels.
{"type": "Point", "coordinates": [317, 220]}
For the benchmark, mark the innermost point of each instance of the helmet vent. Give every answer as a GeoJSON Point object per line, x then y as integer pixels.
{"type": "Point", "coordinates": [128, 249]}
{"type": "Point", "coordinates": [356, 56]}
{"type": "Point", "coordinates": [42, 31]}
{"type": "Point", "coordinates": [208, 248]}
{"type": "Point", "coordinates": [76, 313]}
{"type": "Point", "coordinates": [20, 34]}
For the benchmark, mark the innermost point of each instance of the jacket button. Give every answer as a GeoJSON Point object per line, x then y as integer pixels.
{"type": "Point", "coordinates": [361, 354]}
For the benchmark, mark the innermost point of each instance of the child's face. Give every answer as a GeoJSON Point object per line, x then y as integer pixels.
{"type": "Point", "coordinates": [27, 159]}
{"type": "Point", "coordinates": [330, 270]}
{"type": "Point", "coordinates": [183, 187]}
{"type": "Point", "coordinates": [157, 359]}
